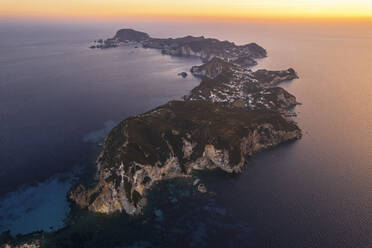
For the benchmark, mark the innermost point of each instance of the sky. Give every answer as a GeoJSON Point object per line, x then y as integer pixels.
{"type": "Point", "coordinates": [173, 9]}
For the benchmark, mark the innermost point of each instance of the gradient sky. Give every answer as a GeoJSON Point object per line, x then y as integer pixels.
{"type": "Point", "coordinates": [188, 8]}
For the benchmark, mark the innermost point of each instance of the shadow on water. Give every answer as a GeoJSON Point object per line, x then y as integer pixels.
{"type": "Point", "coordinates": [178, 215]}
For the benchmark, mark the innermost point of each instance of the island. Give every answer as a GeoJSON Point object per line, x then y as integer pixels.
{"type": "Point", "coordinates": [233, 113]}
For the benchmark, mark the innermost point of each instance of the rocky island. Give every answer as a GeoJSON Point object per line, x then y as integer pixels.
{"type": "Point", "coordinates": [232, 114]}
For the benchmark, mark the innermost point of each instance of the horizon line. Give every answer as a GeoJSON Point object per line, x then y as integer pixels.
{"type": "Point", "coordinates": [342, 19]}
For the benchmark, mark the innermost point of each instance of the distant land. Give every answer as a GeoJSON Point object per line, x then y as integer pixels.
{"type": "Point", "coordinates": [233, 113]}
{"type": "Point", "coordinates": [205, 48]}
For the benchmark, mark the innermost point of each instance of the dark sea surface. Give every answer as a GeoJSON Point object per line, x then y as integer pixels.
{"type": "Point", "coordinates": [58, 99]}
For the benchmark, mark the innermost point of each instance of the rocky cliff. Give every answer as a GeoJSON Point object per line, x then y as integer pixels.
{"type": "Point", "coordinates": [172, 141]}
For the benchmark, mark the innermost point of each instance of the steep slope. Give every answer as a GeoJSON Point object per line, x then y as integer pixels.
{"type": "Point", "coordinates": [172, 141]}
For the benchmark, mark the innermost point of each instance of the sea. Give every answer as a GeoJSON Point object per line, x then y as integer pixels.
{"type": "Point", "coordinates": [59, 99]}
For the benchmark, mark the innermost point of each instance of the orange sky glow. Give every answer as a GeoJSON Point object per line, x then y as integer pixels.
{"type": "Point", "coordinates": [190, 9]}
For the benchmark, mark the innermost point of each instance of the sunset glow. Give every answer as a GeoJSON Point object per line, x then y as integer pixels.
{"type": "Point", "coordinates": [212, 9]}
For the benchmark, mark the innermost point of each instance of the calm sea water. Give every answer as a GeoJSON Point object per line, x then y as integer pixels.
{"type": "Point", "coordinates": [59, 98]}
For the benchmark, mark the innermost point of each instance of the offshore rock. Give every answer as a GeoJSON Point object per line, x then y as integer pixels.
{"type": "Point", "coordinates": [202, 188]}
{"type": "Point", "coordinates": [182, 74]}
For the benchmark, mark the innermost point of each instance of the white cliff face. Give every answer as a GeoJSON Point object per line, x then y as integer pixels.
{"type": "Point", "coordinates": [124, 190]}
{"type": "Point", "coordinates": [212, 159]}
{"type": "Point", "coordinates": [187, 147]}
